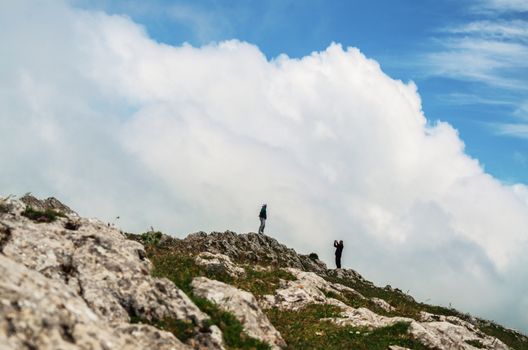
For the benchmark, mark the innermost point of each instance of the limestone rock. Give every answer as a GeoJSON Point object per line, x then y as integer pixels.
{"type": "Point", "coordinates": [75, 283]}
{"type": "Point", "coordinates": [243, 305]}
{"type": "Point", "coordinates": [445, 335]}
{"type": "Point", "coordinates": [42, 313]}
{"type": "Point", "coordinates": [383, 304]}
{"type": "Point", "coordinates": [50, 203]}
{"type": "Point", "coordinates": [438, 332]}
{"type": "Point", "coordinates": [219, 263]}
{"type": "Point", "coordinates": [148, 337]}
{"type": "Point", "coordinates": [212, 340]}
{"type": "Point", "coordinates": [250, 248]}
{"type": "Point", "coordinates": [308, 288]}
{"type": "Point", "coordinates": [347, 274]}
{"type": "Point", "coordinates": [109, 272]}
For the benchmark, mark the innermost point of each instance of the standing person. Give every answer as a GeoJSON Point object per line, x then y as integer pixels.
{"type": "Point", "coordinates": [339, 250]}
{"type": "Point", "coordinates": [263, 218]}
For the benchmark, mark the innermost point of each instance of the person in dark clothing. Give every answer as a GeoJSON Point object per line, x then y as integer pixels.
{"type": "Point", "coordinates": [339, 250]}
{"type": "Point", "coordinates": [263, 216]}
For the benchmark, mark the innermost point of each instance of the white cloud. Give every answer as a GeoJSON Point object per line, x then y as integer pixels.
{"type": "Point", "coordinates": [513, 29]}
{"type": "Point", "coordinates": [94, 111]}
{"type": "Point", "coordinates": [497, 63]}
{"type": "Point", "coordinates": [462, 99]}
{"type": "Point", "coordinates": [491, 53]}
{"type": "Point", "coordinates": [490, 6]}
{"type": "Point", "coordinates": [511, 129]}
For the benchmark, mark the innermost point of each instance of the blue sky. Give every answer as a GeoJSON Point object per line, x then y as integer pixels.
{"type": "Point", "coordinates": [468, 58]}
{"type": "Point", "coordinates": [120, 119]}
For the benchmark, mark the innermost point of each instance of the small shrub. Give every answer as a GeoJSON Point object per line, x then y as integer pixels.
{"type": "Point", "coordinates": [313, 256]}
{"type": "Point", "coordinates": [151, 238]}
{"type": "Point", "coordinates": [72, 225]}
{"type": "Point", "coordinates": [49, 215]}
{"type": "Point", "coordinates": [475, 343]}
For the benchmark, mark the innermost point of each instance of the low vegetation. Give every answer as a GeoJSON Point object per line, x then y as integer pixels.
{"type": "Point", "coordinates": [407, 307]}
{"type": "Point", "coordinates": [232, 329]}
{"type": "Point", "coordinates": [307, 329]}
{"type": "Point", "coordinates": [48, 215]}
{"type": "Point", "coordinates": [262, 282]}
{"type": "Point", "coordinates": [304, 329]}
{"type": "Point", "coordinates": [151, 238]}
{"type": "Point", "coordinates": [475, 343]}
{"type": "Point", "coordinates": [181, 269]}
{"type": "Point", "coordinates": [513, 339]}
{"type": "Point", "coordinates": [313, 256]}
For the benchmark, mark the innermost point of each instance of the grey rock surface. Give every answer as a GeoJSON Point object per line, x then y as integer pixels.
{"type": "Point", "coordinates": [37, 312]}
{"type": "Point", "coordinates": [78, 286]}
{"type": "Point", "coordinates": [251, 248]}
{"type": "Point", "coordinates": [243, 305]}
{"type": "Point", "coordinates": [308, 288]}
{"type": "Point", "coordinates": [219, 263]}
{"type": "Point", "coordinates": [107, 272]}
{"type": "Point", "coordinates": [438, 332]}
{"type": "Point", "coordinates": [50, 203]}
{"type": "Point", "coordinates": [382, 304]}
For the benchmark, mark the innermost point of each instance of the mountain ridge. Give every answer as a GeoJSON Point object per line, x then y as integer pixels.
{"type": "Point", "coordinates": [72, 282]}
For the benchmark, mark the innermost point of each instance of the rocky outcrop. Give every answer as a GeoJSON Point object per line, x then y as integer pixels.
{"type": "Point", "coordinates": [219, 263]}
{"type": "Point", "coordinates": [50, 203]}
{"type": "Point", "coordinates": [75, 283]}
{"type": "Point", "coordinates": [382, 304]}
{"type": "Point", "coordinates": [434, 331]}
{"type": "Point", "coordinates": [308, 288]}
{"type": "Point", "coordinates": [109, 274]}
{"type": "Point", "coordinates": [37, 312]}
{"type": "Point", "coordinates": [241, 304]}
{"type": "Point", "coordinates": [250, 248]}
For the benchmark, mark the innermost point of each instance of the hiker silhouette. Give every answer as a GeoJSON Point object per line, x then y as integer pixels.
{"type": "Point", "coordinates": [339, 250]}
{"type": "Point", "coordinates": [263, 216]}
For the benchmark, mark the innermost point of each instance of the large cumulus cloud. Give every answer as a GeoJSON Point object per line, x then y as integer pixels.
{"type": "Point", "coordinates": [96, 112]}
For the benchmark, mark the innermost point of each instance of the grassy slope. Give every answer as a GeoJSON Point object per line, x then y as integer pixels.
{"type": "Point", "coordinates": [303, 329]}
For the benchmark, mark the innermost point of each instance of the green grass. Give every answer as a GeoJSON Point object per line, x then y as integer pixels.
{"type": "Point", "coordinates": [150, 238]}
{"type": "Point", "coordinates": [512, 339]}
{"type": "Point", "coordinates": [232, 329]}
{"type": "Point", "coordinates": [169, 261]}
{"type": "Point", "coordinates": [303, 329]}
{"type": "Point", "coordinates": [404, 306]}
{"type": "Point", "coordinates": [262, 282]}
{"type": "Point", "coordinates": [48, 215]}
{"type": "Point", "coordinates": [475, 343]}
{"type": "Point", "coordinates": [181, 269]}
{"type": "Point", "coordinates": [409, 308]}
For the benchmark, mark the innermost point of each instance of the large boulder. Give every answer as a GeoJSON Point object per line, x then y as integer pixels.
{"type": "Point", "coordinates": [37, 312]}
{"type": "Point", "coordinates": [243, 305]}
{"type": "Point", "coordinates": [108, 272]}
{"type": "Point", "coordinates": [308, 288]}
{"type": "Point", "coordinates": [219, 263]}
{"type": "Point", "coordinates": [250, 248]}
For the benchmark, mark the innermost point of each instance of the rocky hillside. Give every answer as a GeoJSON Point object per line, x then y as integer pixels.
{"type": "Point", "coordinates": [74, 283]}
